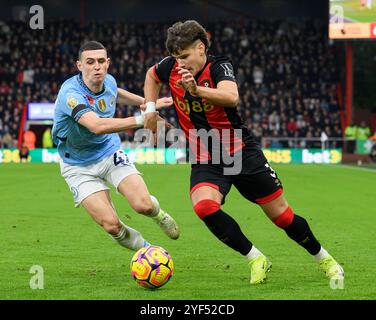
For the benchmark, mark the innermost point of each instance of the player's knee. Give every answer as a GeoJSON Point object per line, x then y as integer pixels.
{"type": "Point", "coordinates": [144, 205]}
{"type": "Point", "coordinates": [285, 218]}
{"type": "Point", "coordinates": [206, 207]}
{"type": "Point", "coordinates": [111, 226]}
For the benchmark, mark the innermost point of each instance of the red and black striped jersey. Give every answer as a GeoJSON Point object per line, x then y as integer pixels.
{"type": "Point", "coordinates": [197, 114]}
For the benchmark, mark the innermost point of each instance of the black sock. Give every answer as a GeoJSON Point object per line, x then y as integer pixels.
{"type": "Point", "coordinates": [226, 229]}
{"type": "Point", "coordinates": [300, 232]}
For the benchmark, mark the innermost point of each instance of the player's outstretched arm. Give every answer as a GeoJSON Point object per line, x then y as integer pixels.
{"type": "Point", "coordinates": [99, 125]}
{"type": "Point", "coordinates": [164, 102]}
{"type": "Point", "coordinates": [151, 90]}
{"type": "Point", "coordinates": [129, 98]}
{"type": "Point", "coordinates": [151, 87]}
{"type": "Point", "coordinates": [161, 103]}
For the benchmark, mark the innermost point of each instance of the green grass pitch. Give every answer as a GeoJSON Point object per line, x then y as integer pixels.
{"type": "Point", "coordinates": [40, 226]}
{"type": "Point", "coordinates": [354, 12]}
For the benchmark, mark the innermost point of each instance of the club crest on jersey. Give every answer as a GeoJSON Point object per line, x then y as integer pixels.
{"type": "Point", "coordinates": [72, 102]}
{"type": "Point", "coordinates": [102, 105]}
{"type": "Point", "coordinates": [204, 83]}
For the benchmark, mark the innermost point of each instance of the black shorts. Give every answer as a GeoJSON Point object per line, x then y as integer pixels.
{"type": "Point", "coordinates": [257, 181]}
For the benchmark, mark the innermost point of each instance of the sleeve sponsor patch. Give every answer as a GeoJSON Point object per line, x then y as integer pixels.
{"type": "Point", "coordinates": [72, 102]}
{"type": "Point", "coordinates": [229, 71]}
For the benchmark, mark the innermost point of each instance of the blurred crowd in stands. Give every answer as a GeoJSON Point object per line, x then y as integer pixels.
{"type": "Point", "coordinates": [285, 71]}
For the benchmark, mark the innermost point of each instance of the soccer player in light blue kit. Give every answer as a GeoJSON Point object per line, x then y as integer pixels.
{"type": "Point", "coordinates": [85, 133]}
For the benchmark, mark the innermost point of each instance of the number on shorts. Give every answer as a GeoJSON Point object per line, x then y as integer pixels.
{"type": "Point", "coordinates": [121, 158]}
{"type": "Point", "coordinates": [272, 172]}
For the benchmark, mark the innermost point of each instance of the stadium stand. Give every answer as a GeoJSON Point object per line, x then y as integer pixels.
{"type": "Point", "coordinates": [285, 70]}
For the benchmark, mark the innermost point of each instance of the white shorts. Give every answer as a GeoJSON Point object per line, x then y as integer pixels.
{"type": "Point", "coordinates": [86, 180]}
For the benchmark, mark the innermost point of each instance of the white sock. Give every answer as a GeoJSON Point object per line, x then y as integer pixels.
{"type": "Point", "coordinates": [254, 253]}
{"type": "Point", "coordinates": [130, 238]}
{"type": "Point", "coordinates": [321, 255]}
{"type": "Point", "coordinates": [157, 212]}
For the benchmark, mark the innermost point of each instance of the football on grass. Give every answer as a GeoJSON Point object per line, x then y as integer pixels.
{"type": "Point", "coordinates": [152, 267]}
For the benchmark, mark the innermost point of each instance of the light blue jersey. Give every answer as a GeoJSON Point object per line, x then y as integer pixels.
{"type": "Point", "coordinates": [76, 144]}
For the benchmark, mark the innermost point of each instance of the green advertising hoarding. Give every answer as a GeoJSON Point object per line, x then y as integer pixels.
{"type": "Point", "coordinates": [326, 156]}
{"type": "Point", "coordinates": [363, 146]}
{"type": "Point", "coordinates": [141, 156]}
{"type": "Point", "coordinates": [173, 156]}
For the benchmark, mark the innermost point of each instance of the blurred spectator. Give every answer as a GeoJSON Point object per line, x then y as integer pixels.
{"type": "Point", "coordinates": [29, 139]}
{"type": "Point", "coordinates": [373, 153]}
{"type": "Point", "coordinates": [291, 127]}
{"type": "Point", "coordinates": [258, 75]}
{"type": "Point", "coordinates": [8, 141]}
{"type": "Point", "coordinates": [47, 139]}
{"type": "Point", "coordinates": [351, 131]}
{"type": "Point", "coordinates": [24, 153]}
{"type": "Point", "coordinates": [351, 134]}
{"type": "Point", "coordinates": [363, 131]}
{"type": "Point", "coordinates": [373, 148]}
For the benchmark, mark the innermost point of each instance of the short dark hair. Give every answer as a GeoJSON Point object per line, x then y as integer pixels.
{"type": "Point", "coordinates": [183, 34]}
{"type": "Point", "coordinates": [90, 45]}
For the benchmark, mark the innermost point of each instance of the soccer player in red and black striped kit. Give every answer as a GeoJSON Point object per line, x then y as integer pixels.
{"type": "Point", "coordinates": [206, 97]}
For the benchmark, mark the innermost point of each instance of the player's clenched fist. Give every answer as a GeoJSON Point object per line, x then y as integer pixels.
{"type": "Point", "coordinates": [187, 81]}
